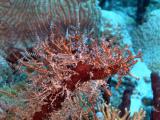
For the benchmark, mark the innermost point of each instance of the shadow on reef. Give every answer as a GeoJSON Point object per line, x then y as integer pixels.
{"type": "Point", "coordinates": [141, 6]}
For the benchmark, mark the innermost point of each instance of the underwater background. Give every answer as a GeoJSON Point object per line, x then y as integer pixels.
{"type": "Point", "coordinates": [79, 59]}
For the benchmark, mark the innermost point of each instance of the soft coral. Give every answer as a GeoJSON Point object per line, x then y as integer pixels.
{"type": "Point", "coordinates": [62, 65]}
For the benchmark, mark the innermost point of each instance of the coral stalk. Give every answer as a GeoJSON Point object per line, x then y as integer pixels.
{"type": "Point", "coordinates": [155, 78]}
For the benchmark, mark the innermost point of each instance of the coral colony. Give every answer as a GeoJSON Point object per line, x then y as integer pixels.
{"type": "Point", "coordinates": [61, 66]}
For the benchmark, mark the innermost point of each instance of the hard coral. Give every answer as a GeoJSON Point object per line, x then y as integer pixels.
{"type": "Point", "coordinates": [111, 113]}
{"type": "Point", "coordinates": [21, 21]}
{"type": "Point", "coordinates": [59, 66]}
{"type": "Point", "coordinates": [145, 37]}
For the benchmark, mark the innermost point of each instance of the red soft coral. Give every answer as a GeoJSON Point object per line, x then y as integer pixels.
{"type": "Point", "coordinates": [62, 65]}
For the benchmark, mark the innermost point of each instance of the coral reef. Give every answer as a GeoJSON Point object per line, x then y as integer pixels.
{"type": "Point", "coordinates": [145, 37]}
{"type": "Point", "coordinates": [126, 100]}
{"type": "Point", "coordinates": [68, 58]}
{"type": "Point", "coordinates": [82, 14]}
{"type": "Point", "coordinates": [141, 9]}
{"type": "Point", "coordinates": [114, 114]}
{"type": "Point", "coordinates": [23, 21]}
{"type": "Point", "coordinates": [5, 72]}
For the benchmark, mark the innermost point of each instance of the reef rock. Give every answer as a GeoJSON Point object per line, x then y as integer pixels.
{"type": "Point", "coordinates": [146, 37]}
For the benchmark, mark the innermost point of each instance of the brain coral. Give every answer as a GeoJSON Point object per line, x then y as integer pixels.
{"type": "Point", "coordinates": [25, 19]}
